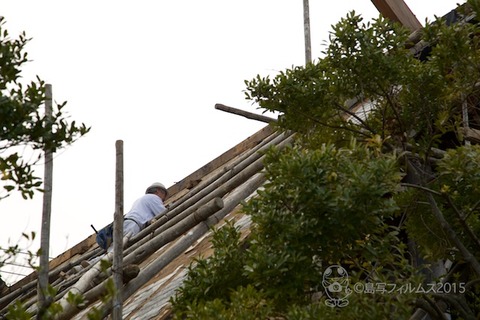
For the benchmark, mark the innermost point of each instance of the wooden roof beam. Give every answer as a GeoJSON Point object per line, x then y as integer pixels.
{"type": "Point", "coordinates": [397, 10]}
{"type": "Point", "coordinates": [246, 114]}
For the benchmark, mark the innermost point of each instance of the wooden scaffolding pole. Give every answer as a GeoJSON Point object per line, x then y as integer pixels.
{"type": "Point", "coordinates": [306, 28]}
{"type": "Point", "coordinates": [246, 114]}
{"type": "Point", "coordinates": [46, 211]}
{"type": "Point", "coordinates": [397, 10]}
{"type": "Point", "coordinates": [118, 235]}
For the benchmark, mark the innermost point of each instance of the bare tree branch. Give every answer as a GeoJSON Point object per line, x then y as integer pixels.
{"type": "Point", "coordinates": [416, 186]}
{"type": "Point", "coordinates": [463, 221]}
{"type": "Point", "coordinates": [467, 255]}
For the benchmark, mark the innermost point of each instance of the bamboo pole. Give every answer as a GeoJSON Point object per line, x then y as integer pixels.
{"type": "Point", "coordinates": [196, 233]}
{"type": "Point", "coordinates": [200, 215]}
{"type": "Point", "coordinates": [82, 284]}
{"type": "Point", "coordinates": [414, 42]}
{"type": "Point", "coordinates": [191, 204]}
{"type": "Point", "coordinates": [254, 163]}
{"type": "Point", "coordinates": [171, 234]}
{"type": "Point", "coordinates": [219, 190]}
{"type": "Point", "coordinates": [118, 234]}
{"type": "Point", "coordinates": [255, 147]}
{"type": "Point", "coordinates": [118, 227]}
{"type": "Point", "coordinates": [306, 28]}
{"type": "Point", "coordinates": [221, 160]}
{"type": "Point", "coordinates": [6, 300]}
{"type": "Point", "coordinates": [209, 193]}
{"type": "Point", "coordinates": [227, 172]}
{"type": "Point", "coordinates": [273, 138]}
{"type": "Point", "coordinates": [11, 297]}
{"type": "Point", "coordinates": [227, 182]}
{"type": "Point", "coordinates": [42, 283]}
{"type": "Point", "coordinates": [246, 114]}
{"type": "Point", "coordinates": [254, 153]}
{"type": "Point", "coordinates": [151, 246]}
{"type": "Point", "coordinates": [85, 281]}
{"type": "Point", "coordinates": [32, 305]}
{"type": "Point", "coordinates": [66, 261]}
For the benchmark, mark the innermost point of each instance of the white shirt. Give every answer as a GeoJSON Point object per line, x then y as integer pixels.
{"type": "Point", "coordinates": [146, 208]}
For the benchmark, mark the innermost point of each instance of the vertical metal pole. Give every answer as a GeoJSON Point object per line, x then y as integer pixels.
{"type": "Point", "coordinates": [306, 27]}
{"type": "Point", "coordinates": [118, 234]}
{"type": "Point", "coordinates": [46, 210]}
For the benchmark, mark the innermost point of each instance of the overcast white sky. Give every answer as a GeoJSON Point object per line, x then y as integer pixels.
{"type": "Point", "coordinates": [149, 73]}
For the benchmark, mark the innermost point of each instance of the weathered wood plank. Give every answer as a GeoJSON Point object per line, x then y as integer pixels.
{"type": "Point", "coordinates": [472, 135]}
{"type": "Point", "coordinates": [397, 10]}
{"type": "Point", "coordinates": [243, 113]}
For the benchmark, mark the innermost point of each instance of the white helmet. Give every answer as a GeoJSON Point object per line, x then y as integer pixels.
{"type": "Point", "coordinates": [156, 185]}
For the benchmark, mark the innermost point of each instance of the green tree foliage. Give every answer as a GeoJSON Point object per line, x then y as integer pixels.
{"type": "Point", "coordinates": [300, 229]}
{"type": "Point", "coordinates": [53, 310]}
{"type": "Point", "coordinates": [25, 132]}
{"type": "Point", "coordinates": [23, 122]}
{"type": "Point", "coordinates": [302, 213]}
{"type": "Point", "coordinates": [379, 181]}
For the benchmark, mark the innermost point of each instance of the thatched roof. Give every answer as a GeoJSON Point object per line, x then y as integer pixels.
{"type": "Point", "coordinates": [206, 198]}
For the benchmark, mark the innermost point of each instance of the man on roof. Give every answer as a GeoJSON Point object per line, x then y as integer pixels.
{"type": "Point", "coordinates": [144, 209]}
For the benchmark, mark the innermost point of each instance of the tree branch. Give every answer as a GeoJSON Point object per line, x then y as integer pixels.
{"type": "Point", "coordinates": [467, 255]}
{"type": "Point", "coordinates": [394, 109]}
{"type": "Point", "coordinates": [416, 186]}
{"type": "Point", "coordinates": [456, 302]}
{"type": "Point", "coordinates": [473, 208]}
{"type": "Point", "coordinates": [463, 222]}
{"type": "Point", "coordinates": [439, 313]}
{"type": "Point", "coordinates": [332, 127]}
{"type": "Point", "coordinates": [353, 114]}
